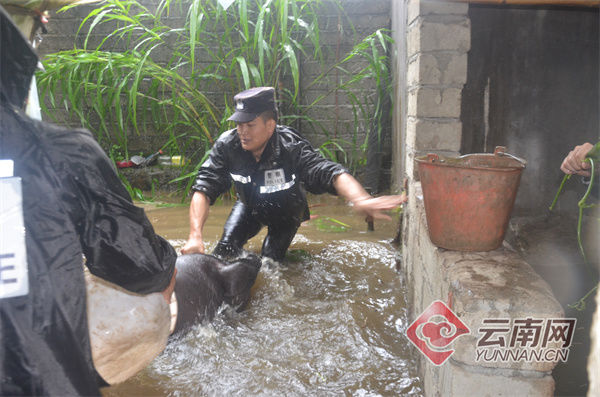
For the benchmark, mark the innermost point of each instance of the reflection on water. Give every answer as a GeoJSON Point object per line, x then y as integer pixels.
{"type": "Point", "coordinates": [329, 322]}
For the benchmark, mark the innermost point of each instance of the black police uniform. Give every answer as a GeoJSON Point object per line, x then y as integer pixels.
{"type": "Point", "coordinates": [270, 192]}
{"type": "Point", "coordinates": [73, 203]}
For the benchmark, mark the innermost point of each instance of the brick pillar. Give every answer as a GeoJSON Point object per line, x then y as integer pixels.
{"type": "Point", "coordinates": [438, 36]}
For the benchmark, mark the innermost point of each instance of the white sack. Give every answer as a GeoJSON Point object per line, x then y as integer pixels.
{"type": "Point", "coordinates": [127, 330]}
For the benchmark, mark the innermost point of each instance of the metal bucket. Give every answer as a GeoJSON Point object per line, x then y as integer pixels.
{"type": "Point", "coordinates": [468, 199]}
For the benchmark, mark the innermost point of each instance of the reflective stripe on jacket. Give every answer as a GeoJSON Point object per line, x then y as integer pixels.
{"type": "Point", "coordinates": [274, 186]}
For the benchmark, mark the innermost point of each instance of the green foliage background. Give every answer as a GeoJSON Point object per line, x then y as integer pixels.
{"type": "Point", "coordinates": [121, 85]}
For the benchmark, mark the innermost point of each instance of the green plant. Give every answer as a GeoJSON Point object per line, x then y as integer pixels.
{"type": "Point", "coordinates": [116, 153]}
{"type": "Point", "coordinates": [297, 256]}
{"type": "Point", "coordinates": [371, 112]}
{"type": "Point", "coordinates": [134, 192]}
{"type": "Point", "coordinates": [331, 150]}
{"type": "Point", "coordinates": [592, 157]}
{"type": "Point", "coordinates": [119, 83]}
{"type": "Point", "coordinates": [101, 81]}
{"type": "Point", "coordinates": [328, 224]}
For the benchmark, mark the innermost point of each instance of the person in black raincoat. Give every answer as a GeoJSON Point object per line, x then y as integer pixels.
{"type": "Point", "coordinates": [73, 203]}
{"type": "Point", "coordinates": [271, 165]}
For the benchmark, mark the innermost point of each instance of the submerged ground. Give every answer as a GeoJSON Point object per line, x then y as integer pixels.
{"type": "Point", "coordinates": [329, 322]}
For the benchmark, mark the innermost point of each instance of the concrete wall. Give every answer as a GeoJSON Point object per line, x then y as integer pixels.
{"type": "Point", "coordinates": [437, 57]}
{"type": "Point", "coordinates": [476, 286]}
{"type": "Point", "coordinates": [533, 86]}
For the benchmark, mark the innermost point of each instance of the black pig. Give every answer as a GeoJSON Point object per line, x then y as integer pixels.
{"type": "Point", "coordinates": [204, 282]}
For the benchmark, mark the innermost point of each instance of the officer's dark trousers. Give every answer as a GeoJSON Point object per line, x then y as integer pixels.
{"type": "Point", "coordinates": [242, 225]}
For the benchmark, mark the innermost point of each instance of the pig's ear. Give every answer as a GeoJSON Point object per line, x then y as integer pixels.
{"type": "Point", "coordinates": [238, 278]}
{"type": "Point", "coordinates": [252, 260]}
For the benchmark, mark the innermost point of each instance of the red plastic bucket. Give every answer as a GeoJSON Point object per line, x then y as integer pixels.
{"type": "Point", "coordinates": [468, 199]}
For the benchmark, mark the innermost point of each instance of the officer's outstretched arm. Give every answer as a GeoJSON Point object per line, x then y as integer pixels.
{"type": "Point", "coordinates": [198, 215]}
{"type": "Point", "coordinates": [362, 202]}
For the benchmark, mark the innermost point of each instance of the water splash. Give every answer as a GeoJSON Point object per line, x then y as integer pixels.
{"type": "Point", "coordinates": [331, 322]}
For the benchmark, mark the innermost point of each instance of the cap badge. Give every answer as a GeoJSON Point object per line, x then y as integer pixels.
{"type": "Point", "coordinates": [239, 105]}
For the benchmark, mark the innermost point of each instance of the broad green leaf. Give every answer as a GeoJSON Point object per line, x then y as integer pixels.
{"type": "Point", "coordinates": [244, 69]}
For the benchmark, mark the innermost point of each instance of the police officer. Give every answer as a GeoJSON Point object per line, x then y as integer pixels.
{"type": "Point", "coordinates": [270, 165]}
{"type": "Point", "coordinates": [60, 199]}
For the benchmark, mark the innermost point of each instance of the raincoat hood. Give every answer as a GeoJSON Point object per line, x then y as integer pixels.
{"type": "Point", "coordinates": [17, 62]}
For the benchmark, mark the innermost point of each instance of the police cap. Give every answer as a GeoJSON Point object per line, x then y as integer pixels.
{"type": "Point", "coordinates": [251, 103]}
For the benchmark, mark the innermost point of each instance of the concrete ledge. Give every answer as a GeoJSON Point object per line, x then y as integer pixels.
{"type": "Point", "coordinates": [458, 380]}
{"type": "Point", "coordinates": [476, 286]}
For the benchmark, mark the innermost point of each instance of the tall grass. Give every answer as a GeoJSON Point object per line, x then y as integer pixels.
{"type": "Point", "coordinates": [136, 74]}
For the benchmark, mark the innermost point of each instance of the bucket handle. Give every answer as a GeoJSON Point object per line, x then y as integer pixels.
{"type": "Point", "coordinates": [432, 157]}
{"type": "Point", "coordinates": [501, 151]}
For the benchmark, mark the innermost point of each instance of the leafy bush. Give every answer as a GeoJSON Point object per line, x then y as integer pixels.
{"type": "Point", "coordinates": [120, 84]}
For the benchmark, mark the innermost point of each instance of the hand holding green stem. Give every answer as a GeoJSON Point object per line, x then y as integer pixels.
{"type": "Point", "coordinates": [574, 164]}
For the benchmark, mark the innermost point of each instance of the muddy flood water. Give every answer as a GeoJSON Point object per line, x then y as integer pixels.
{"type": "Point", "coordinates": [329, 322]}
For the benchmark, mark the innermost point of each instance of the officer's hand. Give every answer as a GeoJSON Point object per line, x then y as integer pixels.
{"type": "Point", "coordinates": [574, 164]}
{"type": "Point", "coordinates": [372, 207]}
{"type": "Point", "coordinates": [193, 246]}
